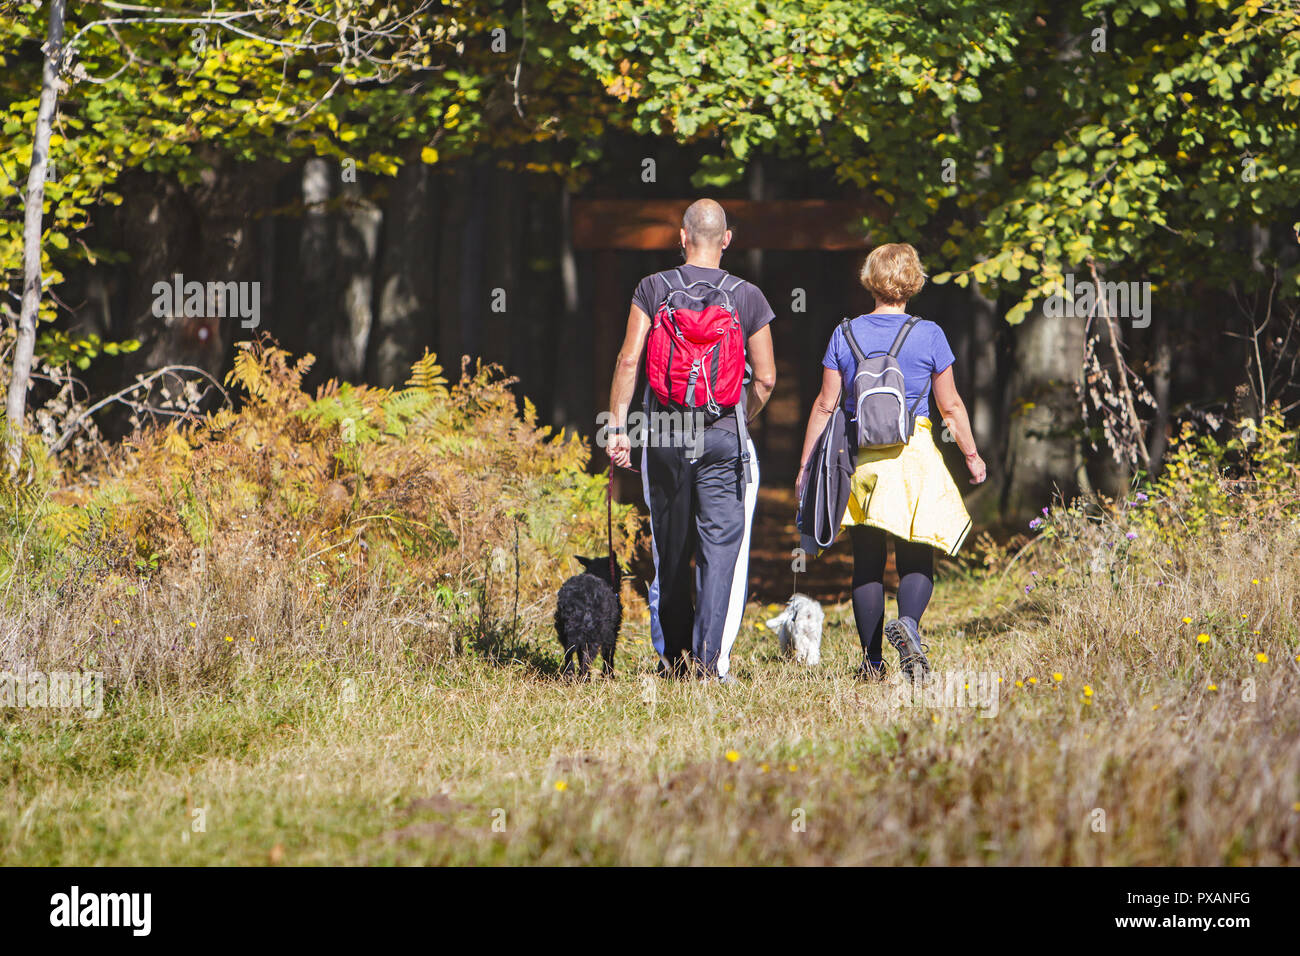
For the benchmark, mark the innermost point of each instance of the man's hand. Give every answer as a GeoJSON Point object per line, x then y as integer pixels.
{"type": "Point", "coordinates": [619, 446]}
{"type": "Point", "coordinates": [620, 450]}
{"type": "Point", "coordinates": [975, 465]}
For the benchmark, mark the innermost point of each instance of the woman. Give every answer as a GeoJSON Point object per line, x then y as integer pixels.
{"type": "Point", "coordinates": [903, 492]}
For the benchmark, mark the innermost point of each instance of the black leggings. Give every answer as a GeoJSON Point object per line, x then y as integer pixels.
{"type": "Point", "coordinates": [915, 583]}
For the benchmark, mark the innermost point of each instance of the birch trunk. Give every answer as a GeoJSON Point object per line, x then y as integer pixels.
{"type": "Point", "coordinates": [25, 347]}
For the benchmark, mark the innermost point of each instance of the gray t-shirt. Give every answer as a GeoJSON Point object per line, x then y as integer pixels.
{"type": "Point", "coordinates": [752, 307]}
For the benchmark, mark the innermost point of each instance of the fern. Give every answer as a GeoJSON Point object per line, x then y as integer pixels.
{"type": "Point", "coordinates": [419, 483]}
{"type": "Point", "coordinates": [402, 408]}
{"type": "Point", "coordinates": [426, 375]}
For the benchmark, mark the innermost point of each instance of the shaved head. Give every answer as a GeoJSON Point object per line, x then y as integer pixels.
{"type": "Point", "coordinates": [705, 224]}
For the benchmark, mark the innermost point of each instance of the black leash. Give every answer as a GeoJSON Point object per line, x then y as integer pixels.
{"type": "Point", "coordinates": [514, 628]}
{"type": "Point", "coordinates": [609, 522]}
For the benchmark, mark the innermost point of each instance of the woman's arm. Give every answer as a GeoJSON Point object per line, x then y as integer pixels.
{"type": "Point", "coordinates": [954, 414]}
{"type": "Point", "coordinates": [822, 410]}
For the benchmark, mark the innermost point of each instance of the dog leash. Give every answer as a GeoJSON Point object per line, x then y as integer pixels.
{"type": "Point", "coordinates": [609, 515]}
{"type": "Point", "coordinates": [609, 521]}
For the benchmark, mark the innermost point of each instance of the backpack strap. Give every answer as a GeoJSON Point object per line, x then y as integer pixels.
{"type": "Point", "coordinates": [677, 286]}
{"type": "Point", "coordinates": [911, 322]}
{"type": "Point", "coordinates": [730, 292]}
{"type": "Point", "coordinates": [742, 430]}
{"type": "Point", "coordinates": [858, 356]}
{"type": "Point", "coordinates": [902, 335]}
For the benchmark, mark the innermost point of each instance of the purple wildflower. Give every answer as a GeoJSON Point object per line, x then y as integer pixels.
{"type": "Point", "coordinates": [1131, 535]}
{"type": "Point", "coordinates": [1035, 524]}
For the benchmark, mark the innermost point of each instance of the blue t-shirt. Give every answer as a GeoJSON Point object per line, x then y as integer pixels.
{"type": "Point", "coordinates": [924, 353]}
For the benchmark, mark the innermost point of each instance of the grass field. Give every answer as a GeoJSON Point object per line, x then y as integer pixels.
{"type": "Point", "coordinates": [1116, 736]}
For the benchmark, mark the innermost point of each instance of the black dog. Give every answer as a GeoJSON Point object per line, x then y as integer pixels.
{"type": "Point", "coordinates": [588, 615]}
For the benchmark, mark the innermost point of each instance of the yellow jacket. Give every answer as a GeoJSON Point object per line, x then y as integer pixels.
{"type": "Point", "coordinates": [907, 491]}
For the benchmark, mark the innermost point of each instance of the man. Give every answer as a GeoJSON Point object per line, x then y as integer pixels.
{"type": "Point", "coordinates": [699, 474]}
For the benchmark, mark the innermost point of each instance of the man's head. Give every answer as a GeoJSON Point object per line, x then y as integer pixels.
{"type": "Point", "coordinates": [704, 230]}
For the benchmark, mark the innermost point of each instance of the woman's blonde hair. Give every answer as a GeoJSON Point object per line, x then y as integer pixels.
{"type": "Point", "coordinates": [893, 273]}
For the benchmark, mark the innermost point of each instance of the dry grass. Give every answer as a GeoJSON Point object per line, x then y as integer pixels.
{"type": "Point", "coordinates": [380, 731]}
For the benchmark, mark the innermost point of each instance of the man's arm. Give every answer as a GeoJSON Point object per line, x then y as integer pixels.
{"type": "Point", "coordinates": [620, 391]}
{"type": "Point", "coordinates": [763, 363]}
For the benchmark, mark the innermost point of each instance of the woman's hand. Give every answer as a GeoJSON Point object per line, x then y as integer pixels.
{"type": "Point", "coordinates": [978, 471]}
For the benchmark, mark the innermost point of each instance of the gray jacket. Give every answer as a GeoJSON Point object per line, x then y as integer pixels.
{"type": "Point", "coordinates": [827, 477]}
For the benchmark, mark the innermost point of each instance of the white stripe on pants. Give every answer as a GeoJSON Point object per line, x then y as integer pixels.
{"type": "Point", "coordinates": [739, 583]}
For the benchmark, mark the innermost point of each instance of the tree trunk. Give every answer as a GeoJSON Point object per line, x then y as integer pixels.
{"type": "Point", "coordinates": [404, 311]}
{"type": "Point", "coordinates": [226, 200]}
{"type": "Point", "coordinates": [25, 347]}
{"type": "Point", "coordinates": [159, 232]}
{"type": "Point", "coordinates": [563, 347]}
{"type": "Point", "coordinates": [475, 295]}
{"type": "Point", "coordinates": [1161, 372]}
{"type": "Point", "coordinates": [503, 320]}
{"type": "Point", "coordinates": [356, 244]}
{"type": "Point", "coordinates": [987, 402]}
{"type": "Point", "coordinates": [451, 227]}
{"type": "Point", "coordinates": [317, 300]}
{"type": "Point", "coordinates": [1044, 416]}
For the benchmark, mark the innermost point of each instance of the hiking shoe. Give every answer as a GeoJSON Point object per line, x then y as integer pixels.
{"type": "Point", "coordinates": [905, 634]}
{"type": "Point", "coordinates": [872, 671]}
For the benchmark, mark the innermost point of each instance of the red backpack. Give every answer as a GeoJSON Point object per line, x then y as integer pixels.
{"type": "Point", "coordinates": [695, 354]}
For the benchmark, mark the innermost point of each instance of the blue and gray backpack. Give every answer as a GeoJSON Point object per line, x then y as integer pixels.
{"type": "Point", "coordinates": [879, 394]}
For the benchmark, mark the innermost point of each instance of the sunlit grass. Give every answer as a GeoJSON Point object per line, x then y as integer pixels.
{"type": "Point", "coordinates": [1119, 736]}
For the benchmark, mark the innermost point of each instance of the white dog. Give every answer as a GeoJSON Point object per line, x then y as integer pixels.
{"type": "Point", "coordinates": [799, 627]}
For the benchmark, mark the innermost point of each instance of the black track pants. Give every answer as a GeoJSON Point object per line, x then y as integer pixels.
{"type": "Point", "coordinates": [702, 509]}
